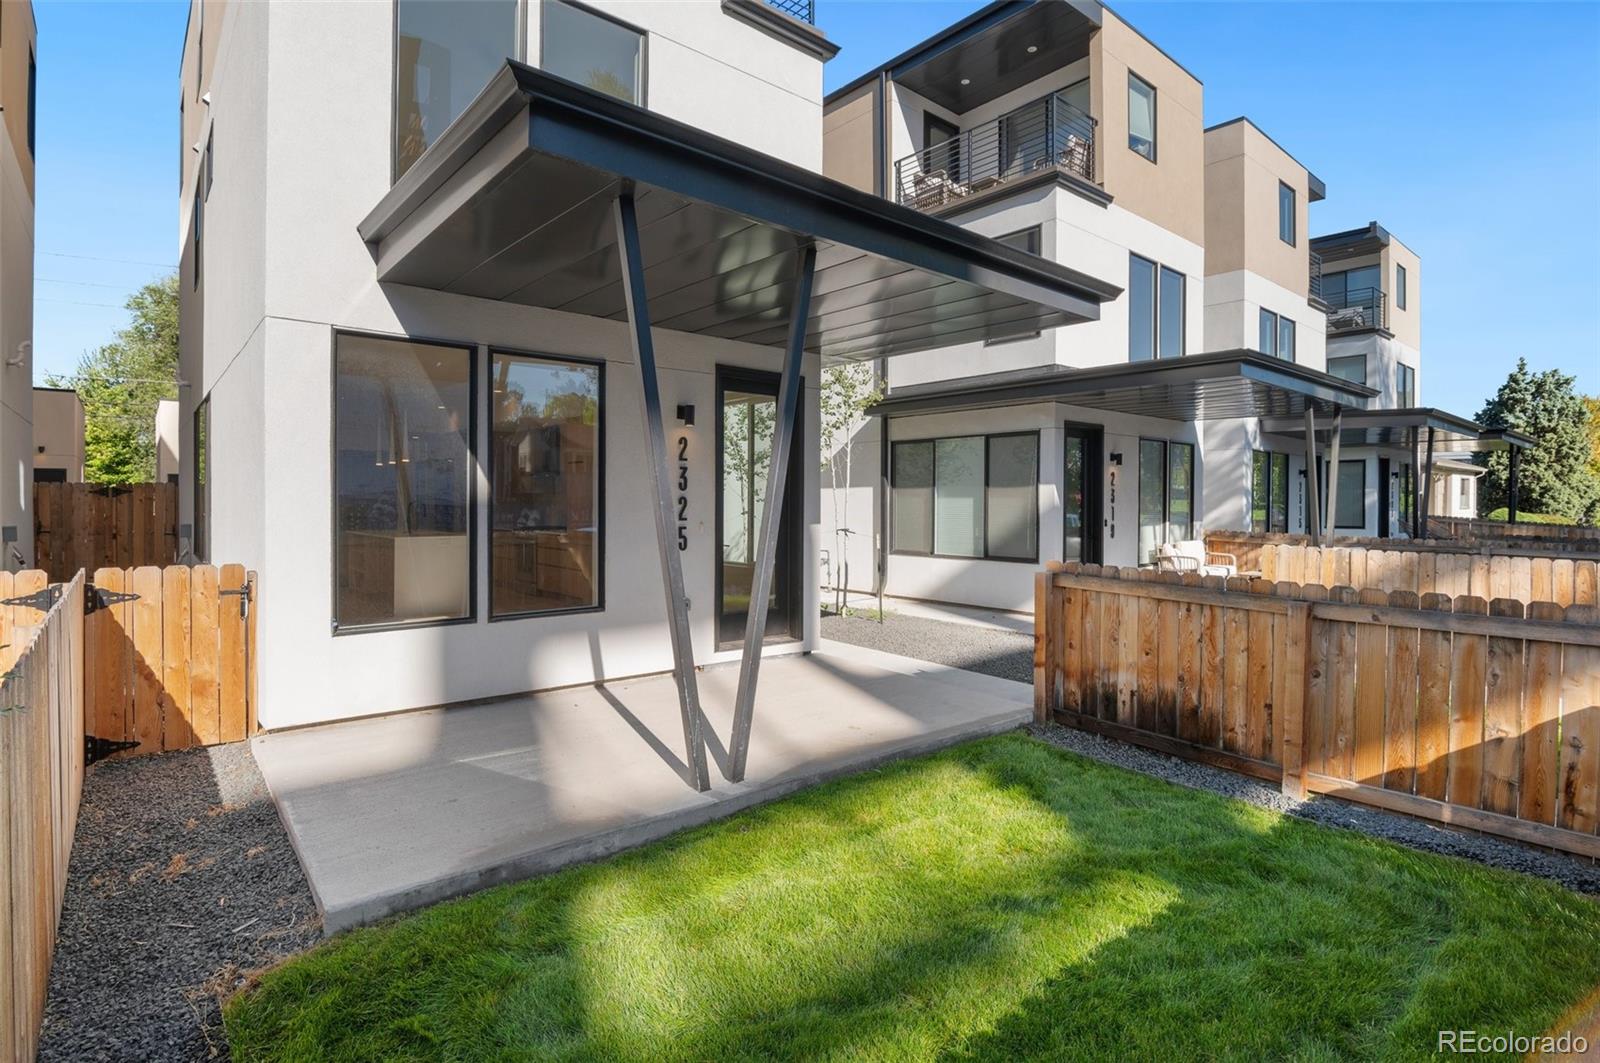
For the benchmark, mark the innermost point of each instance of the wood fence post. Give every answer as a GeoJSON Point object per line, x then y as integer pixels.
{"type": "Point", "coordinates": [1044, 641]}
{"type": "Point", "coordinates": [1297, 697]}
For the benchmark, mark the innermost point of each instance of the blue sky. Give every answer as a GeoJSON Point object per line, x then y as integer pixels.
{"type": "Point", "coordinates": [1471, 131]}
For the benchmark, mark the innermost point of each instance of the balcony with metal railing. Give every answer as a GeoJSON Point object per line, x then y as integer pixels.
{"type": "Point", "coordinates": [804, 10]}
{"type": "Point", "coordinates": [1045, 134]}
{"type": "Point", "coordinates": [1314, 284]}
{"type": "Point", "coordinates": [1355, 309]}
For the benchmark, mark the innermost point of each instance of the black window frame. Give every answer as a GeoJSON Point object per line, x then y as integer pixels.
{"type": "Point", "coordinates": [1271, 332]}
{"type": "Point", "coordinates": [1344, 473]}
{"type": "Point", "coordinates": [934, 486]}
{"type": "Point", "coordinates": [1289, 355]}
{"type": "Point", "coordinates": [600, 485]}
{"type": "Point", "coordinates": [1155, 123]}
{"type": "Point", "coordinates": [474, 402]}
{"type": "Point", "coordinates": [197, 226]}
{"type": "Point", "coordinates": [1405, 385]}
{"type": "Point", "coordinates": [1349, 358]}
{"type": "Point", "coordinates": [1399, 286]}
{"type": "Point", "coordinates": [1270, 460]}
{"type": "Point", "coordinates": [1287, 220]}
{"type": "Point", "coordinates": [208, 165]}
{"type": "Point", "coordinates": [33, 105]}
{"type": "Point", "coordinates": [1035, 235]}
{"type": "Point", "coordinates": [1167, 446]}
{"type": "Point", "coordinates": [200, 471]}
{"type": "Point", "coordinates": [644, 38]}
{"type": "Point", "coordinates": [1159, 276]}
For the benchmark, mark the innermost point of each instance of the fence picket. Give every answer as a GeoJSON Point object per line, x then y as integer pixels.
{"type": "Point", "coordinates": [1502, 716]}
{"type": "Point", "coordinates": [1578, 801]}
{"type": "Point", "coordinates": [1541, 706]}
{"type": "Point", "coordinates": [1400, 700]}
{"type": "Point", "coordinates": [233, 685]}
{"type": "Point", "coordinates": [1433, 703]}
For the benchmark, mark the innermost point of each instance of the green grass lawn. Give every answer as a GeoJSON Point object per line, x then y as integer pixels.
{"type": "Point", "coordinates": [999, 900]}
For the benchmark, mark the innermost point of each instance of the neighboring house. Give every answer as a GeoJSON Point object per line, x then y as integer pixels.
{"type": "Point", "coordinates": [1455, 488]}
{"type": "Point", "coordinates": [18, 79]}
{"type": "Point", "coordinates": [1058, 128]}
{"type": "Point", "coordinates": [57, 436]}
{"type": "Point", "coordinates": [423, 404]}
{"type": "Point", "coordinates": [168, 420]}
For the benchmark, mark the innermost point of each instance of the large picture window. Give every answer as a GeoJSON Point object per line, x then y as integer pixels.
{"type": "Point", "coordinates": [593, 50]}
{"type": "Point", "coordinates": [403, 472]}
{"type": "Point", "coordinates": [1166, 495]}
{"type": "Point", "coordinates": [967, 496]}
{"type": "Point", "coordinates": [445, 53]}
{"type": "Point", "coordinates": [545, 493]}
{"type": "Point", "coordinates": [1351, 367]}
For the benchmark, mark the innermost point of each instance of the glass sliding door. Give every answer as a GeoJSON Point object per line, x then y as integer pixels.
{"type": "Point", "coordinates": [747, 406]}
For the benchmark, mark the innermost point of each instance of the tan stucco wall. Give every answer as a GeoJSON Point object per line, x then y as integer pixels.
{"type": "Point", "coordinates": [1405, 324]}
{"type": "Point", "coordinates": [1243, 171]}
{"type": "Point", "coordinates": [1171, 190]}
{"type": "Point", "coordinates": [16, 42]}
{"type": "Point", "coordinates": [58, 431]}
{"type": "Point", "coordinates": [847, 138]}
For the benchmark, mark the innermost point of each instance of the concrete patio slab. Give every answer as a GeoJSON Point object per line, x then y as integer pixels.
{"type": "Point", "coordinates": [392, 813]}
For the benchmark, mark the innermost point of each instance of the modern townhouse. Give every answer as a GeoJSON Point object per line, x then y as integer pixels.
{"type": "Point", "coordinates": [1058, 128]}
{"type": "Point", "coordinates": [424, 245]}
{"type": "Point", "coordinates": [58, 425]}
{"type": "Point", "coordinates": [18, 80]}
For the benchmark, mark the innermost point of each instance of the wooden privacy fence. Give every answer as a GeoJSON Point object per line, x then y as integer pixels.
{"type": "Point", "coordinates": [41, 778]}
{"type": "Point", "coordinates": [1482, 714]}
{"type": "Point", "coordinates": [91, 526]}
{"type": "Point", "coordinates": [171, 654]}
{"type": "Point", "coordinates": [1573, 536]}
{"type": "Point", "coordinates": [1419, 568]}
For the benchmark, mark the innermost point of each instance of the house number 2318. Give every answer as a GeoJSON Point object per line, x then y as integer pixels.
{"type": "Point", "coordinates": [683, 492]}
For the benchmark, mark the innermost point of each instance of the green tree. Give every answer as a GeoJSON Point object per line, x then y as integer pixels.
{"type": "Point", "coordinates": [120, 384]}
{"type": "Point", "coordinates": [1557, 475]}
{"type": "Point", "coordinates": [847, 390]}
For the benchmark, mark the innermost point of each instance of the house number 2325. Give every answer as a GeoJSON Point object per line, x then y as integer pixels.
{"type": "Point", "coordinates": [683, 492]}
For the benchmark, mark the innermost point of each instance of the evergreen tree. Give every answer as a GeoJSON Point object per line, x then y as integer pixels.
{"type": "Point", "coordinates": [1556, 475]}
{"type": "Point", "coordinates": [121, 383]}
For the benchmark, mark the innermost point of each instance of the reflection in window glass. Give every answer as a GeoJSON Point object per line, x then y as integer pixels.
{"type": "Point", "coordinates": [912, 477]}
{"type": "Point", "coordinates": [201, 547]}
{"type": "Point", "coordinates": [1286, 339]}
{"type": "Point", "coordinates": [1285, 213]}
{"type": "Point", "coordinates": [1350, 367]}
{"type": "Point", "coordinates": [1171, 323]}
{"type": "Point", "coordinates": [446, 54]}
{"type": "Point", "coordinates": [1011, 509]}
{"type": "Point", "coordinates": [958, 496]}
{"type": "Point", "coordinates": [1350, 508]}
{"type": "Point", "coordinates": [1141, 309]}
{"type": "Point", "coordinates": [1399, 286]}
{"type": "Point", "coordinates": [1141, 117]}
{"type": "Point", "coordinates": [1258, 490]}
{"type": "Point", "coordinates": [1406, 391]}
{"type": "Point", "coordinates": [544, 460]}
{"type": "Point", "coordinates": [402, 481]}
{"type": "Point", "coordinates": [1269, 334]}
{"type": "Point", "coordinates": [1180, 492]}
{"type": "Point", "coordinates": [1152, 497]}
{"type": "Point", "coordinates": [1023, 240]}
{"type": "Point", "coordinates": [592, 50]}
{"type": "Point", "coordinates": [1074, 498]}
{"type": "Point", "coordinates": [1278, 499]}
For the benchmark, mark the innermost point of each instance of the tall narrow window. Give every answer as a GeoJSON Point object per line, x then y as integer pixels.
{"type": "Point", "coordinates": [201, 463]}
{"type": "Point", "coordinates": [1399, 286]}
{"type": "Point", "coordinates": [1406, 386]}
{"type": "Point", "coordinates": [1285, 339]}
{"type": "Point", "coordinates": [1152, 497]}
{"type": "Point", "coordinates": [445, 53]}
{"type": "Point", "coordinates": [1285, 213]}
{"type": "Point", "coordinates": [1350, 508]}
{"type": "Point", "coordinates": [1141, 117]}
{"type": "Point", "coordinates": [198, 212]}
{"type": "Point", "coordinates": [1011, 504]}
{"type": "Point", "coordinates": [1278, 505]}
{"type": "Point", "coordinates": [1141, 309]}
{"type": "Point", "coordinates": [1180, 491]}
{"type": "Point", "coordinates": [210, 166]}
{"type": "Point", "coordinates": [593, 50]}
{"type": "Point", "coordinates": [1259, 491]}
{"type": "Point", "coordinates": [33, 104]}
{"type": "Point", "coordinates": [1269, 333]}
{"type": "Point", "coordinates": [1023, 240]}
{"type": "Point", "coordinates": [545, 501]}
{"type": "Point", "coordinates": [402, 481]}
{"type": "Point", "coordinates": [911, 473]}
{"type": "Point", "coordinates": [958, 496]}
{"type": "Point", "coordinates": [1170, 324]}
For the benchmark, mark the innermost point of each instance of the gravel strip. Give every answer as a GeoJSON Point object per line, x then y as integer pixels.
{"type": "Point", "coordinates": [992, 651]}
{"type": "Point", "coordinates": [1010, 656]}
{"type": "Point", "coordinates": [182, 882]}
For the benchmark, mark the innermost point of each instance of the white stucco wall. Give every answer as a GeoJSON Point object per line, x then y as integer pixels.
{"type": "Point", "coordinates": [1234, 302]}
{"type": "Point", "coordinates": [16, 345]}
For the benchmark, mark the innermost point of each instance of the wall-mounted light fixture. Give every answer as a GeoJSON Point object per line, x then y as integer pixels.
{"type": "Point", "coordinates": [686, 413]}
{"type": "Point", "coordinates": [1116, 458]}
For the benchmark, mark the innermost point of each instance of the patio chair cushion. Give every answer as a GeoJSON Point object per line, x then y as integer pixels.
{"type": "Point", "coordinates": [1189, 555]}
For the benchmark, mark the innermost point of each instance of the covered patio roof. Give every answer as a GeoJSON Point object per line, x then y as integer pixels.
{"type": "Point", "coordinates": [514, 202]}
{"type": "Point", "coordinates": [1405, 427]}
{"type": "Point", "coordinates": [1200, 387]}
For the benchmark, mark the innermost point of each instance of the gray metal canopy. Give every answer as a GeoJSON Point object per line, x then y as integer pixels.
{"type": "Point", "coordinates": [515, 202]}
{"type": "Point", "coordinates": [1200, 387]}
{"type": "Point", "coordinates": [1404, 427]}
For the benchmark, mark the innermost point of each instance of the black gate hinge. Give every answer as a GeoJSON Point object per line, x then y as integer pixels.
{"type": "Point", "coordinates": [100, 748]}
{"type": "Point", "coordinates": [42, 600]}
{"type": "Point", "coordinates": [243, 594]}
{"type": "Point", "coordinates": [99, 598]}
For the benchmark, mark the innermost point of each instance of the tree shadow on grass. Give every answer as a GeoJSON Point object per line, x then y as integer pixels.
{"type": "Point", "coordinates": [1002, 899]}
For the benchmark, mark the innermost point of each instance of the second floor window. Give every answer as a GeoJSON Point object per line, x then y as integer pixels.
{"type": "Point", "coordinates": [1351, 367]}
{"type": "Point", "coordinates": [593, 50]}
{"type": "Point", "coordinates": [1023, 240]}
{"type": "Point", "coordinates": [1285, 213]}
{"type": "Point", "coordinates": [1155, 310]}
{"type": "Point", "coordinates": [1141, 116]}
{"type": "Point", "coordinates": [1406, 386]}
{"type": "Point", "coordinates": [1400, 286]}
{"type": "Point", "coordinates": [1277, 335]}
{"type": "Point", "coordinates": [445, 53]}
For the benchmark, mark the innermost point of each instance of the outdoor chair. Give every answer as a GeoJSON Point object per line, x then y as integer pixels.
{"type": "Point", "coordinates": [1191, 555]}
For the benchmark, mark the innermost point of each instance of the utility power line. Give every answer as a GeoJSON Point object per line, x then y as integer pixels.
{"type": "Point", "coordinates": [100, 258]}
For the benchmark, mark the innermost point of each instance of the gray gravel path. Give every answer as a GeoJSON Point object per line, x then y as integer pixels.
{"type": "Point", "coordinates": [992, 651]}
{"type": "Point", "coordinates": [182, 882]}
{"type": "Point", "coordinates": [1010, 656]}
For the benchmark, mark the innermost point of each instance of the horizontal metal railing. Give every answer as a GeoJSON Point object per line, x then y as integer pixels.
{"type": "Point", "coordinates": [1046, 133]}
{"type": "Point", "coordinates": [1315, 286]}
{"type": "Point", "coordinates": [1357, 308]}
{"type": "Point", "coordinates": [804, 10]}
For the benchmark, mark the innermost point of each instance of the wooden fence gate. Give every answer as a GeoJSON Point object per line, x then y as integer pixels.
{"type": "Point", "coordinates": [91, 526]}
